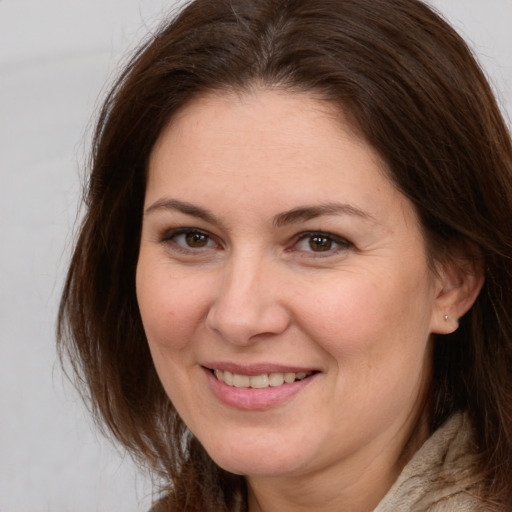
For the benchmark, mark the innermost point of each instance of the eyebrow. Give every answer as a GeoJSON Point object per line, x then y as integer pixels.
{"type": "Point", "coordinates": [293, 216]}
{"type": "Point", "coordinates": [184, 207]}
{"type": "Point", "coordinates": [304, 213]}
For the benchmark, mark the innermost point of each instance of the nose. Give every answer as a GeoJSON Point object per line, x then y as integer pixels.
{"type": "Point", "coordinates": [248, 306]}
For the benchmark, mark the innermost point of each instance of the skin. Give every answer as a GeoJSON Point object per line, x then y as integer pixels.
{"type": "Point", "coordinates": [251, 286]}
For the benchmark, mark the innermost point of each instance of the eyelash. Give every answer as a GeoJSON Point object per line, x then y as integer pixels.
{"type": "Point", "coordinates": [171, 236]}
{"type": "Point", "coordinates": [342, 244]}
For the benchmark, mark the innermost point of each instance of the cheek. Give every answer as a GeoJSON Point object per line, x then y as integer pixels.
{"type": "Point", "coordinates": [171, 313]}
{"type": "Point", "coordinates": [170, 309]}
{"type": "Point", "coordinates": [377, 337]}
{"type": "Point", "coordinates": [369, 316]}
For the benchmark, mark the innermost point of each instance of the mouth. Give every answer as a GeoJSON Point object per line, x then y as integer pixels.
{"type": "Point", "coordinates": [257, 387]}
{"type": "Point", "coordinates": [261, 381]}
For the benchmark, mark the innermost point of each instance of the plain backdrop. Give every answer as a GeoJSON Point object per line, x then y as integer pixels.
{"type": "Point", "coordinates": [56, 57]}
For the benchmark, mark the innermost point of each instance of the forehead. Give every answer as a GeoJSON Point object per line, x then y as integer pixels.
{"type": "Point", "coordinates": [263, 109]}
{"type": "Point", "coordinates": [249, 159]}
{"type": "Point", "coordinates": [265, 133]}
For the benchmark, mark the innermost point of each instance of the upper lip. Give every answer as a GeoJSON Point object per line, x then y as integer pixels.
{"type": "Point", "coordinates": [257, 368]}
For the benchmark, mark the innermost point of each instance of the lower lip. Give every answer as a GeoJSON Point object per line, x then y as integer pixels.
{"type": "Point", "coordinates": [250, 399]}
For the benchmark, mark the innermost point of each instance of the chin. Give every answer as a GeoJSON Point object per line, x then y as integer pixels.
{"type": "Point", "coordinates": [271, 458]}
{"type": "Point", "coordinates": [262, 468]}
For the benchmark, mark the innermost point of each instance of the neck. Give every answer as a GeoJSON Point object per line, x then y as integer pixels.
{"type": "Point", "coordinates": [356, 484]}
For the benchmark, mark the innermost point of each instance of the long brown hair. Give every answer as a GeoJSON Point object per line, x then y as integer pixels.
{"type": "Point", "coordinates": [412, 88]}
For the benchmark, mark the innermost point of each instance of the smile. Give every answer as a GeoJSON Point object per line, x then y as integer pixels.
{"type": "Point", "coordinates": [261, 381]}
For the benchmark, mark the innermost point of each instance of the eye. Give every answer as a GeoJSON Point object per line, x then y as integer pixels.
{"type": "Point", "coordinates": [320, 243]}
{"type": "Point", "coordinates": [189, 239]}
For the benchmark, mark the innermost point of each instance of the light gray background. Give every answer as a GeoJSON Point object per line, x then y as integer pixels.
{"type": "Point", "coordinates": [56, 56]}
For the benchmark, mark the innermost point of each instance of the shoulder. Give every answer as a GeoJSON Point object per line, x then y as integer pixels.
{"type": "Point", "coordinates": [463, 501]}
{"type": "Point", "coordinates": [443, 476]}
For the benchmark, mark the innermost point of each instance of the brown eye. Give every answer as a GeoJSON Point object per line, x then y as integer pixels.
{"type": "Point", "coordinates": [320, 243]}
{"type": "Point", "coordinates": [189, 239]}
{"type": "Point", "coordinates": [196, 240]}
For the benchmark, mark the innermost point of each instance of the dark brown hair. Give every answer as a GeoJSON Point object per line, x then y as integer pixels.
{"type": "Point", "coordinates": [413, 90]}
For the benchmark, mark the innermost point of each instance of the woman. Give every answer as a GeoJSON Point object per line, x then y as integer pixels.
{"type": "Point", "coordinates": [292, 285]}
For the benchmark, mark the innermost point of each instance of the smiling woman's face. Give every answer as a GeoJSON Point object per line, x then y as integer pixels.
{"type": "Point", "coordinates": [284, 289]}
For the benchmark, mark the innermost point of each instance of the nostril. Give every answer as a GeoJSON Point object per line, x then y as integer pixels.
{"type": "Point", "coordinates": [247, 323]}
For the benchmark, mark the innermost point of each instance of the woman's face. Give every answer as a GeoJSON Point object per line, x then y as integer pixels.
{"type": "Point", "coordinates": [284, 288]}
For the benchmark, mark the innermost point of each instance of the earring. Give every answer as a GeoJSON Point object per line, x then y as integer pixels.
{"type": "Point", "coordinates": [446, 318]}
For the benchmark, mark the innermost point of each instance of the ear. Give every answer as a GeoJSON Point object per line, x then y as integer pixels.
{"type": "Point", "coordinates": [458, 283]}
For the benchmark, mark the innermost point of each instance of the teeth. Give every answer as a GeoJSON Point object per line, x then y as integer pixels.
{"type": "Point", "coordinates": [241, 381]}
{"type": "Point", "coordinates": [228, 378]}
{"type": "Point", "coordinates": [276, 379]}
{"type": "Point", "coordinates": [259, 381]}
